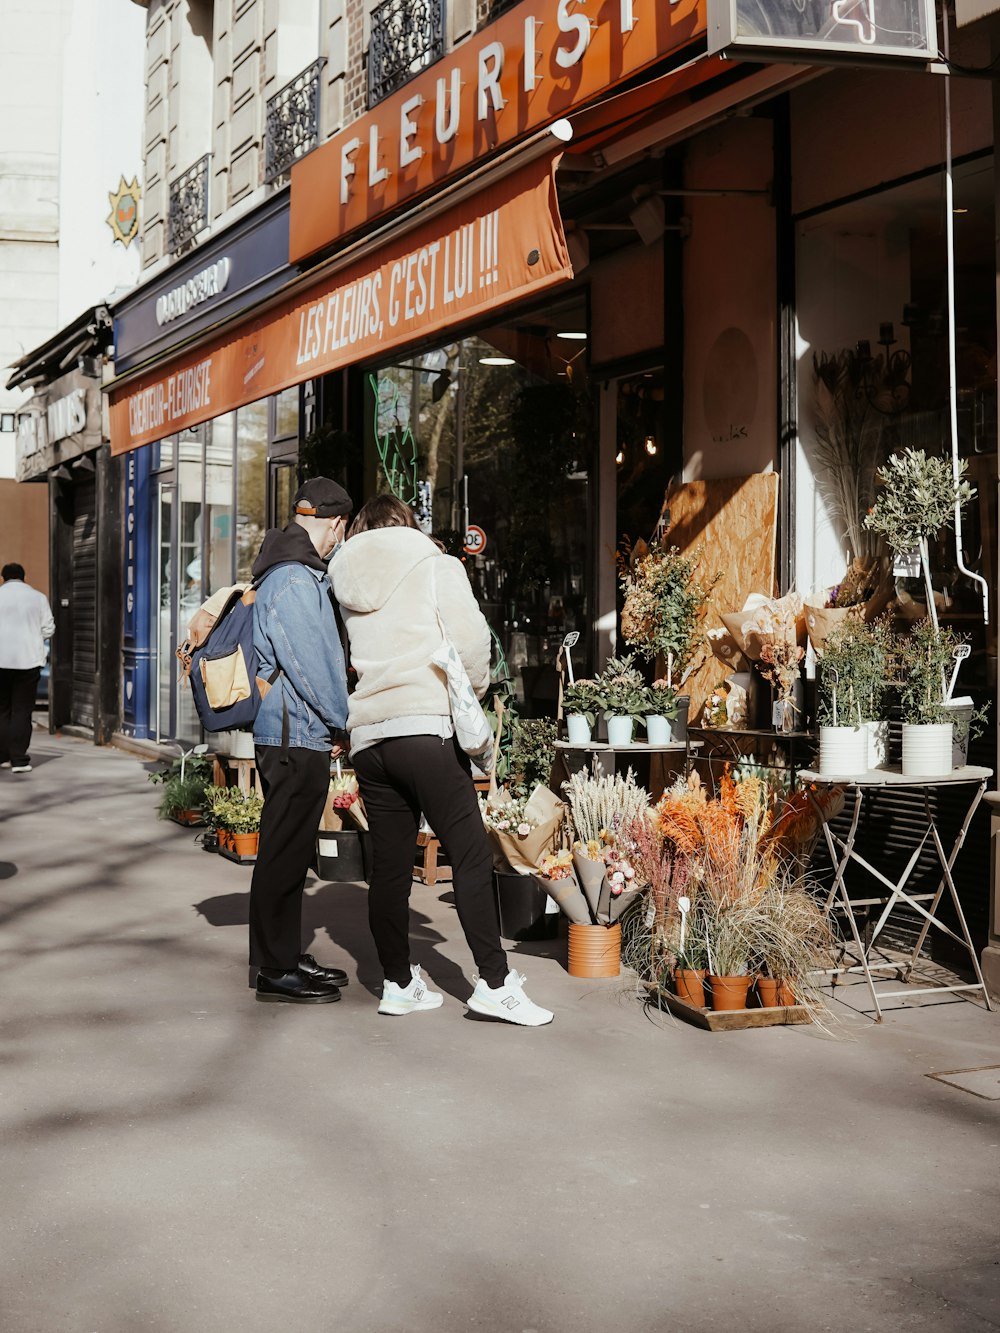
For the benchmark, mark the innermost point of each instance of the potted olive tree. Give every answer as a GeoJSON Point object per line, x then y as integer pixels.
{"type": "Point", "coordinates": [922, 680]}
{"type": "Point", "coordinates": [920, 494]}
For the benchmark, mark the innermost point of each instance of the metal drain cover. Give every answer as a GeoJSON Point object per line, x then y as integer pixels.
{"type": "Point", "coordinates": [983, 1081]}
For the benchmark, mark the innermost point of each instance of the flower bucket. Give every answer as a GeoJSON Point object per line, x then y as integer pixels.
{"type": "Point", "coordinates": [679, 724]}
{"type": "Point", "coordinates": [878, 743]}
{"type": "Point", "coordinates": [926, 749]}
{"type": "Point", "coordinates": [619, 730]}
{"type": "Point", "coordinates": [657, 729]}
{"type": "Point", "coordinates": [594, 951]}
{"type": "Point", "coordinates": [729, 993]}
{"type": "Point", "coordinates": [577, 729]}
{"type": "Point", "coordinates": [522, 906]}
{"type": "Point", "coordinates": [690, 985]}
{"type": "Point", "coordinates": [339, 857]}
{"type": "Point", "coordinates": [843, 751]}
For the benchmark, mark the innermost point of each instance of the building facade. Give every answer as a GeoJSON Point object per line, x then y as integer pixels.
{"type": "Point", "coordinates": [540, 264]}
{"type": "Point", "coordinates": [73, 70]}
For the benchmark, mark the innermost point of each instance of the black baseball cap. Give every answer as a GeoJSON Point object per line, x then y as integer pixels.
{"type": "Point", "coordinates": [321, 498]}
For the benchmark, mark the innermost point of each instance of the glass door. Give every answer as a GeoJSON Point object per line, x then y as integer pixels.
{"type": "Point", "coordinates": [165, 601]}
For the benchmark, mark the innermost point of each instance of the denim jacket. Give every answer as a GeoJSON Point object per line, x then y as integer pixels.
{"type": "Point", "coordinates": [295, 628]}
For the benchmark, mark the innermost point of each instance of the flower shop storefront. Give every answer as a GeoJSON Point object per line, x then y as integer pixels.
{"type": "Point", "coordinates": [214, 438]}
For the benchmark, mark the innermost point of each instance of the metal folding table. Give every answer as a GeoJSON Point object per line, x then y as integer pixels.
{"type": "Point", "coordinates": [843, 851]}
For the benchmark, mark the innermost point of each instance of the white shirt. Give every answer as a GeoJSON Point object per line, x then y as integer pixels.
{"type": "Point", "coordinates": [25, 623]}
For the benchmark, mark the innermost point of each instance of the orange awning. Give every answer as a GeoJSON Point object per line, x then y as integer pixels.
{"type": "Point", "coordinates": [502, 244]}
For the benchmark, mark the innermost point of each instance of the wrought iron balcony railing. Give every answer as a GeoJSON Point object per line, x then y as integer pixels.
{"type": "Point", "coordinates": [292, 121]}
{"type": "Point", "coordinates": [187, 213]}
{"type": "Point", "coordinates": [406, 36]}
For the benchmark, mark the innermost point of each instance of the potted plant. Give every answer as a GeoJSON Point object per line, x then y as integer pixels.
{"type": "Point", "coordinates": [851, 688]}
{"type": "Point", "coordinates": [924, 667]}
{"type": "Point", "coordinates": [237, 817]}
{"type": "Point", "coordinates": [622, 697]}
{"type": "Point", "coordinates": [185, 781]}
{"type": "Point", "coordinates": [665, 605]}
{"type": "Point", "coordinates": [183, 800]}
{"type": "Point", "coordinates": [532, 752]}
{"type": "Point", "coordinates": [580, 703]}
{"type": "Point", "coordinates": [661, 710]}
{"type": "Point", "coordinates": [920, 495]}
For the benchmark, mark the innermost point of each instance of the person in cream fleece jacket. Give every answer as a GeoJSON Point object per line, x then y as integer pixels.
{"type": "Point", "coordinates": [397, 591]}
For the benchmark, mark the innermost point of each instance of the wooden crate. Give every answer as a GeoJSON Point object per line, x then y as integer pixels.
{"type": "Point", "coordinates": [427, 870]}
{"type": "Point", "coordinates": [728, 1020]}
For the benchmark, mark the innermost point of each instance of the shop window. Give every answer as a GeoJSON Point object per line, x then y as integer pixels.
{"type": "Point", "coordinates": [286, 413]}
{"type": "Point", "coordinates": [873, 377]}
{"type": "Point", "coordinates": [251, 484]}
{"type": "Point", "coordinates": [219, 446]}
{"type": "Point", "coordinates": [491, 441]}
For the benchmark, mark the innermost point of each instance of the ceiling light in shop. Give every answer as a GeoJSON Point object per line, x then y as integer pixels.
{"type": "Point", "coordinates": [650, 445]}
{"type": "Point", "coordinates": [620, 457]}
{"type": "Point", "coordinates": [573, 337]}
{"type": "Point", "coordinates": [496, 360]}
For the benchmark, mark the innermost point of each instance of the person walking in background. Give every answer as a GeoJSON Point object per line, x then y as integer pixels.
{"type": "Point", "coordinates": [25, 623]}
{"type": "Point", "coordinates": [392, 582]}
{"type": "Point", "coordinates": [300, 721]}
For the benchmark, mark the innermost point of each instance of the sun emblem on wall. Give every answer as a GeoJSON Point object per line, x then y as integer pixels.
{"type": "Point", "coordinates": [124, 216]}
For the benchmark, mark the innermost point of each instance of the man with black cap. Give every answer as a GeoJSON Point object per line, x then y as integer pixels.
{"type": "Point", "coordinates": [300, 721]}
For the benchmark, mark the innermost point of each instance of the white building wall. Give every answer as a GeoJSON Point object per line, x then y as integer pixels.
{"type": "Point", "coordinates": [101, 142]}
{"type": "Point", "coordinates": [71, 100]}
{"type": "Point", "coordinates": [34, 34]}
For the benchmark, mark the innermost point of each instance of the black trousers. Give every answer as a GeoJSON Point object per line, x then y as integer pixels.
{"type": "Point", "coordinates": [399, 779]}
{"type": "Point", "coordinates": [17, 698]}
{"type": "Point", "coordinates": [294, 796]}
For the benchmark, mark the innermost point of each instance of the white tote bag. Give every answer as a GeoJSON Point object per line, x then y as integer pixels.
{"type": "Point", "coordinates": [472, 730]}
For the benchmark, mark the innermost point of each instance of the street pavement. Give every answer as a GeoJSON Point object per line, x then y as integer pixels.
{"type": "Point", "coordinates": [176, 1157]}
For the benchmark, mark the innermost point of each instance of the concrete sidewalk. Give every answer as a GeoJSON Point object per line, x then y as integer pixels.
{"type": "Point", "coordinates": [176, 1157]}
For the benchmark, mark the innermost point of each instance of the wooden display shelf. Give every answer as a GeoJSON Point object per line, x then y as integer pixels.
{"type": "Point", "coordinates": [729, 1020]}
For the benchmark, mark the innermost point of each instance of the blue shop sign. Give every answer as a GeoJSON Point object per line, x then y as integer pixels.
{"type": "Point", "coordinates": [227, 275]}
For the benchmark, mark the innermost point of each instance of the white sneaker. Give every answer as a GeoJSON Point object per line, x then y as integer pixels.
{"type": "Point", "coordinates": [20, 768]}
{"type": "Point", "coordinates": [508, 1002]}
{"type": "Point", "coordinates": [405, 1000]}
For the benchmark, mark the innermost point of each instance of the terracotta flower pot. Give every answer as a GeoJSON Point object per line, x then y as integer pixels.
{"type": "Point", "coordinates": [786, 994]}
{"type": "Point", "coordinates": [729, 992]}
{"type": "Point", "coordinates": [245, 844]}
{"type": "Point", "coordinates": [767, 991]}
{"type": "Point", "coordinates": [690, 985]}
{"type": "Point", "coordinates": [594, 951]}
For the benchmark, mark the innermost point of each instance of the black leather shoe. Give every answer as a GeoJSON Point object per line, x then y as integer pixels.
{"type": "Point", "coordinates": [333, 976]}
{"type": "Point", "coordinates": [295, 988]}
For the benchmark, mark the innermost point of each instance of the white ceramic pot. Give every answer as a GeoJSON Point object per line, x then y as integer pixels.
{"type": "Point", "coordinates": [240, 744]}
{"type": "Point", "coordinates": [657, 729]}
{"type": "Point", "coordinates": [926, 749]}
{"type": "Point", "coordinates": [619, 730]}
{"type": "Point", "coordinates": [577, 729]}
{"type": "Point", "coordinates": [843, 751]}
{"type": "Point", "coordinates": [878, 743]}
